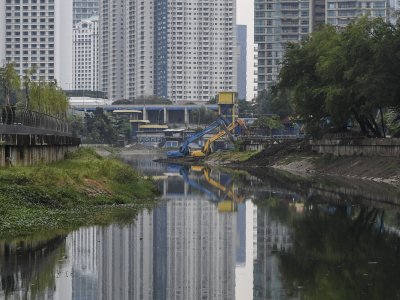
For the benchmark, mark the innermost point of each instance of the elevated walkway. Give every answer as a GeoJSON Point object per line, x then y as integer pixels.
{"type": "Point", "coordinates": [28, 137]}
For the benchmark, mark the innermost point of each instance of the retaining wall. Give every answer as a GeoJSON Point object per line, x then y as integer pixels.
{"type": "Point", "coordinates": [354, 147]}
{"type": "Point", "coordinates": [26, 150]}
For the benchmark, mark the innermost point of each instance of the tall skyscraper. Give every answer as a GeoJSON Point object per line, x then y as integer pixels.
{"type": "Point", "coordinates": [180, 50]}
{"type": "Point", "coordinates": [85, 9]}
{"type": "Point", "coordinates": [276, 24]}
{"type": "Point", "coordinates": [341, 13]}
{"type": "Point", "coordinates": [202, 49]}
{"type": "Point", "coordinates": [126, 48]}
{"type": "Point", "coordinates": [85, 64]}
{"type": "Point", "coordinates": [38, 34]}
{"type": "Point", "coordinates": [242, 61]}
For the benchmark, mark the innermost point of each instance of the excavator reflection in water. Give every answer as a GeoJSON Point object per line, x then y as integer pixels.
{"type": "Point", "coordinates": [226, 198]}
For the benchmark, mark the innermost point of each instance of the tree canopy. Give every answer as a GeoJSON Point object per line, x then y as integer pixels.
{"type": "Point", "coordinates": [100, 128]}
{"type": "Point", "coordinates": [47, 97]}
{"type": "Point", "coordinates": [340, 77]}
{"type": "Point", "coordinates": [44, 97]}
{"type": "Point", "coordinates": [10, 82]}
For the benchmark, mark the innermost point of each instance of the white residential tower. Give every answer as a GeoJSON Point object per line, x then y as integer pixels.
{"type": "Point", "coordinates": [180, 50]}
{"type": "Point", "coordinates": [38, 33]}
{"type": "Point", "coordinates": [85, 75]}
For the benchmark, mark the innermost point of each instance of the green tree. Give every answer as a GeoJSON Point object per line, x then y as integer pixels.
{"type": "Point", "coordinates": [77, 124]}
{"type": "Point", "coordinates": [27, 83]}
{"type": "Point", "coordinates": [100, 128]}
{"type": "Point", "coordinates": [10, 82]}
{"type": "Point", "coordinates": [280, 103]}
{"type": "Point", "coordinates": [47, 97]}
{"type": "Point", "coordinates": [392, 119]}
{"type": "Point", "coordinates": [122, 125]}
{"type": "Point", "coordinates": [246, 108]}
{"type": "Point", "coordinates": [270, 123]}
{"type": "Point", "coordinates": [337, 76]}
{"type": "Point", "coordinates": [274, 101]}
{"type": "Point", "coordinates": [262, 104]}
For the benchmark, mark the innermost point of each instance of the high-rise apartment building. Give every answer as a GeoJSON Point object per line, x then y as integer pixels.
{"type": "Point", "coordinates": [277, 23]}
{"type": "Point", "coordinates": [85, 63]}
{"type": "Point", "coordinates": [38, 33]}
{"type": "Point", "coordinates": [126, 48]}
{"type": "Point", "coordinates": [394, 6]}
{"type": "Point", "coordinates": [242, 61]}
{"type": "Point", "coordinates": [181, 50]}
{"type": "Point", "coordinates": [201, 49]}
{"type": "Point", "coordinates": [85, 9]}
{"type": "Point", "coordinates": [341, 13]}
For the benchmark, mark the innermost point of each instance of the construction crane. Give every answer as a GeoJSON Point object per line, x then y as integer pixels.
{"type": "Point", "coordinates": [206, 150]}
{"type": "Point", "coordinates": [184, 149]}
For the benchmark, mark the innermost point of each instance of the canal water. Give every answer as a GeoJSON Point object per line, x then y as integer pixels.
{"type": "Point", "coordinates": [222, 235]}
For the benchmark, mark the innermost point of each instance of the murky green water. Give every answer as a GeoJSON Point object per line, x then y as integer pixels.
{"type": "Point", "coordinates": [216, 235]}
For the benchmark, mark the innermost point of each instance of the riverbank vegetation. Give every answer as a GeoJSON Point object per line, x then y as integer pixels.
{"type": "Point", "coordinates": [81, 190]}
{"type": "Point", "coordinates": [100, 127]}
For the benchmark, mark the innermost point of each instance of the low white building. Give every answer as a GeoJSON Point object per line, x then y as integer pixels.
{"type": "Point", "coordinates": [88, 101]}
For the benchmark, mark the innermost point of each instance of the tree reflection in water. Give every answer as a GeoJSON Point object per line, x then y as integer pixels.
{"type": "Point", "coordinates": [340, 252]}
{"type": "Point", "coordinates": [27, 269]}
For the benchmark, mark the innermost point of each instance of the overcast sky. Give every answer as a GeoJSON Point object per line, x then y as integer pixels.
{"type": "Point", "coordinates": [245, 14]}
{"type": "Point", "coordinates": [245, 11]}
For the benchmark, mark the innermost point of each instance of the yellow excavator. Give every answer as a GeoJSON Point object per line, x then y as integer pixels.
{"type": "Point", "coordinates": [206, 150]}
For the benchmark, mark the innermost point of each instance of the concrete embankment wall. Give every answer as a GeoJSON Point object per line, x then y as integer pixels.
{"type": "Point", "coordinates": [355, 147]}
{"type": "Point", "coordinates": [26, 150]}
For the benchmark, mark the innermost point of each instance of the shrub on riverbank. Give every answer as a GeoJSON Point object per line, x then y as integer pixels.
{"type": "Point", "coordinates": [69, 193]}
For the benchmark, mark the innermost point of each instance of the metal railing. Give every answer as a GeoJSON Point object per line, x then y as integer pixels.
{"type": "Point", "coordinates": [271, 137]}
{"type": "Point", "coordinates": [10, 115]}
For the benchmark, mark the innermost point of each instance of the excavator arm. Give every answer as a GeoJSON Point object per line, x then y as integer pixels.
{"type": "Point", "coordinates": [184, 148]}
{"type": "Point", "coordinates": [226, 131]}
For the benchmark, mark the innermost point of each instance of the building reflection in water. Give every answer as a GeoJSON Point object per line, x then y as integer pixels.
{"type": "Point", "coordinates": [183, 249]}
{"type": "Point", "coordinates": [186, 248]}
{"type": "Point", "coordinates": [271, 235]}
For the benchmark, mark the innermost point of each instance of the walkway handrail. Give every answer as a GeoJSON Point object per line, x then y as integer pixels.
{"type": "Point", "coordinates": [11, 115]}
{"type": "Point", "coordinates": [272, 137]}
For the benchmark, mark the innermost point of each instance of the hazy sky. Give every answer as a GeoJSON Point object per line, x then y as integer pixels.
{"type": "Point", "coordinates": [245, 11]}
{"type": "Point", "coordinates": [245, 14]}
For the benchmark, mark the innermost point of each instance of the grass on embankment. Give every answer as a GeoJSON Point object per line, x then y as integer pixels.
{"type": "Point", "coordinates": [77, 191]}
{"type": "Point", "coordinates": [230, 157]}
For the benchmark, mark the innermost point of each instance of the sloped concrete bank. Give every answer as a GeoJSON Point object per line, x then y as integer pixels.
{"type": "Point", "coordinates": [299, 158]}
